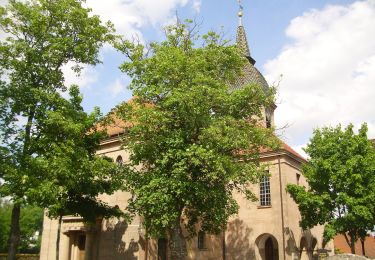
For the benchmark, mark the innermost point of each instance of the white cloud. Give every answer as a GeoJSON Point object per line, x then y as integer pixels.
{"type": "Point", "coordinates": [87, 76]}
{"type": "Point", "coordinates": [299, 149]}
{"type": "Point", "coordinates": [328, 70]}
{"type": "Point", "coordinates": [197, 5]}
{"type": "Point", "coordinates": [131, 15]}
{"type": "Point", "coordinates": [117, 88]}
{"type": "Point", "coordinates": [3, 2]}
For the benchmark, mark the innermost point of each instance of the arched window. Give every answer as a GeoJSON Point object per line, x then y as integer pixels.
{"type": "Point", "coordinates": [119, 160]}
{"type": "Point", "coordinates": [265, 191]}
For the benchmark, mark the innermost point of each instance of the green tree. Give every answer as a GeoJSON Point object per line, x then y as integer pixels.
{"type": "Point", "coordinates": [341, 178]}
{"type": "Point", "coordinates": [42, 37]}
{"type": "Point", "coordinates": [5, 214]}
{"type": "Point", "coordinates": [73, 176]}
{"type": "Point", "coordinates": [30, 224]}
{"type": "Point", "coordinates": [192, 139]}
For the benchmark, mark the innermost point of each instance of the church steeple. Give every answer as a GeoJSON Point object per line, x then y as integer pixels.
{"type": "Point", "coordinates": [241, 39]}
{"type": "Point", "coordinates": [250, 74]}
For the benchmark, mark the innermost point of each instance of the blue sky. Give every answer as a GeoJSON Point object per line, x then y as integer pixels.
{"type": "Point", "coordinates": [324, 49]}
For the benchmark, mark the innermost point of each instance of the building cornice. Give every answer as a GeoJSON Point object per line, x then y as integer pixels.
{"type": "Point", "coordinates": [282, 152]}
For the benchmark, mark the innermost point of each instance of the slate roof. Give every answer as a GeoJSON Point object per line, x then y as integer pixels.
{"type": "Point", "coordinates": [250, 73]}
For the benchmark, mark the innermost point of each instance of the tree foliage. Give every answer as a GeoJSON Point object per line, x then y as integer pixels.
{"type": "Point", "coordinates": [47, 142]}
{"type": "Point", "coordinates": [31, 227]}
{"type": "Point", "coordinates": [193, 140]}
{"type": "Point", "coordinates": [73, 175]}
{"type": "Point", "coordinates": [341, 178]}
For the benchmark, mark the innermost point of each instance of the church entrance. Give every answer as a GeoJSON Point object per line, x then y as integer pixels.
{"type": "Point", "coordinates": [269, 250]}
{"type": "Point", "coordinates": [162, 249]}
{"type": "Point", "coordinates": [267, 247]}
{"type": "Point", "coordinates": [77, 246]}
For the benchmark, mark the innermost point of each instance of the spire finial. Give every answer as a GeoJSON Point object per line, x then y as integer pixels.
{"type": "Point", "coordinates": [240, 12]}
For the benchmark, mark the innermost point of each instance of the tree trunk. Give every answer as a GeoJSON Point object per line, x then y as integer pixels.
{"type": "Point", "coordinates": [363, 246]}
{"type": "Point", "coordinates": [352, 244]}
{"type": "Point", "coordinates": [177, 243]}
{"type": "Point", "coordinates": [14, 235]}
{"type": "Point", "coordinates": [58, 238]}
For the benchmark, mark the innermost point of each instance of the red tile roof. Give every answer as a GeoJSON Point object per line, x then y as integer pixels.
{"type": "Point", "coordinates": [117, 128]}
{"type": "Point", "coordinates": [286, 147]}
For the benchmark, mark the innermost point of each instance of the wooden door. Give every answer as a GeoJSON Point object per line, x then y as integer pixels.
{"type": "Point", "coordinates": [269, 250]}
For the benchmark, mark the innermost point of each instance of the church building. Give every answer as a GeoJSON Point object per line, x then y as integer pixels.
{"type": "Point", "coordinates": [264, 230]}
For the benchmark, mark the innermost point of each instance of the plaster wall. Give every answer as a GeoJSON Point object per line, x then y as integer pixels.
{"type": "Point", "coordinates": [244, 237]}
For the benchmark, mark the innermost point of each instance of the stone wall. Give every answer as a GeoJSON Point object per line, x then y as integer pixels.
{"type": "Point", "coordinates": [346, 257]}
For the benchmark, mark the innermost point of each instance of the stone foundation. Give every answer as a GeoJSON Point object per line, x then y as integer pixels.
{"type": "Point", "coordinates": [346, 257]}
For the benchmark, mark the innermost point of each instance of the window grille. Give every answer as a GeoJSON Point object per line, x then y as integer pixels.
{"type": "Point", "coordinates": [265, 191]}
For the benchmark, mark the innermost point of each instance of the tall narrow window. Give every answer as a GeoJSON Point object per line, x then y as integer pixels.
{"type": "Point", "coordinates": [298, 176]}
{"type": "Point", "coordinates": [119, 160]}
{"type": "Point", "coordinates": [265, 191]}
{"type": "Point", "coordinates": [268, 118]}
{"type": "Point", "coordinates": [201, 238]}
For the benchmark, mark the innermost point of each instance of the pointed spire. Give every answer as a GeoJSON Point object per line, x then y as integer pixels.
{"type": "Point", "coordinates": [241, 39]}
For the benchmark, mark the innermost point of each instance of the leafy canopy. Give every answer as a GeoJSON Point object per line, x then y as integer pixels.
{"type": "Point", "coordinates": [73, 175]}
{"type": "Point", "coordinates": [193, 140]}
{"type": "Point", "coordinates": [341, 178]}
{"type": "Point", "coordinates": [31, 227]}
{"type": "Point", "coordinates": [47, 141]}
{"type": "Point", "coordinates": [42, 37]}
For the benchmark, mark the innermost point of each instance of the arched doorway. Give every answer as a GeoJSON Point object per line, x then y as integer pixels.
{"type": "Point", "coordinates": [267, 247]}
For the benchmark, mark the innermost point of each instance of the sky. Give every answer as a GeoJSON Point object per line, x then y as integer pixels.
{"type": "Point", "coordinates": [321, 54]}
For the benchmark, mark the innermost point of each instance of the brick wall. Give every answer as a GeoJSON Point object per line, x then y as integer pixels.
{"type": "Point", "coordinates": [342, 246]}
